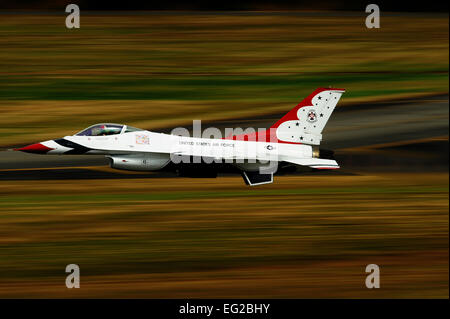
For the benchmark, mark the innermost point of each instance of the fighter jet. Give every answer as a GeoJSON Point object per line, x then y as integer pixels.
{"type": "Point", "coordinates": [290, 143]}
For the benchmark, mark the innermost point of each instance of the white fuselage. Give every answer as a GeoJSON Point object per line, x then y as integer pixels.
{"type": "Point", "coordinates": [145, 142]}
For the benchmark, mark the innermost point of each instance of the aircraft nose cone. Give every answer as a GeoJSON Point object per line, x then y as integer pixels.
{"type": "Point", "coordinates": [37, 148]}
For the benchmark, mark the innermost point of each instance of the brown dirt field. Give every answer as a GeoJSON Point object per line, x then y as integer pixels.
{"type": "Point", "coordinates": [304, 236]}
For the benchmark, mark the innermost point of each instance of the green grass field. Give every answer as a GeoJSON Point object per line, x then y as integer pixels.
{"type": "Point", "coordinates": [155, 71]}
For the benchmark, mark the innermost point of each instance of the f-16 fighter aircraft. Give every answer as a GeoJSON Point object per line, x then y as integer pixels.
{"type": "Point", "coordinates": [289, 143]}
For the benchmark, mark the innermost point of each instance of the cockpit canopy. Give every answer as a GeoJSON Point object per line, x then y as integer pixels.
{"type": "Point", "coordinates": [107, 129]}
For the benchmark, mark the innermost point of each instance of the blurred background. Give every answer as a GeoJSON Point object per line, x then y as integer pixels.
{"type": "Point", "coordinates": [244, 64]}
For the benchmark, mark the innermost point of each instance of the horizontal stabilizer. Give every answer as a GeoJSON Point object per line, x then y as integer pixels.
{"type": "Point", "coordinates": [318, 163]}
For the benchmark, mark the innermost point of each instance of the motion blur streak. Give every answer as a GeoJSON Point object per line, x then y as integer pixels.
{"type": "Point", "coordinates": [158, 71]}
{"type": "Point", "coordinates": [138, 238]}
{"type": "Point", "coordinates": [145, 235]}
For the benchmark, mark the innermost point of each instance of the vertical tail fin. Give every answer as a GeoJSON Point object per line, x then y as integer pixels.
{"type": "Point", "coordinates": [305, 122]}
